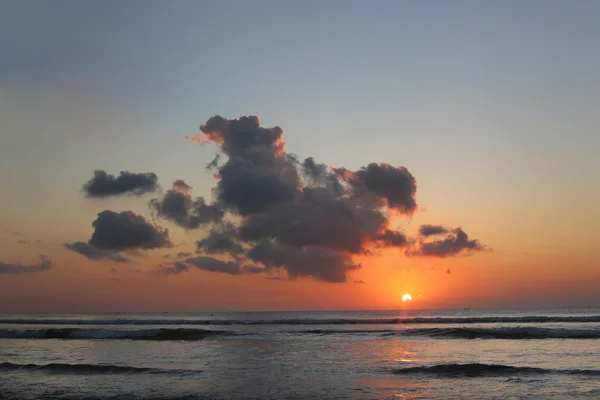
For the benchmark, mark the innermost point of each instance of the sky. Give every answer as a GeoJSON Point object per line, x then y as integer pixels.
{"type": "Point", "coordinates": [367, 149]}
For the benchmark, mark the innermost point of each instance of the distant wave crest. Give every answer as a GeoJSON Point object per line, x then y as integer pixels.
{"type": "Point", "coordinates": [504, 333]}
{"type": "Point", "coordinates": [82, 369]}
{"type": "Point", "coordinates": [309, 321]}
{"type": "Point", "coordinates": [138, 334]}
{"type": "Point", "coordinates": [486, 370]}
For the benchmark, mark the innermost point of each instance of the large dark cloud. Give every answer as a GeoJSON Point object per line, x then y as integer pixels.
{"type": "Point", "coordinates": [455, 243]}
{"type": "Point", "coordinates": [8, 268]}
{"type": "Point", "coordinates": [316, 262]}
{"type": "Point", "coordinates": [302, 217]}
{"type": "Point", "coordinates": [104, 185]}
{"type": "Point", "coordinates": [178, 206]}
{"type": "Point", "coordinates": [94, 253]}
{"type": "Point", "coordinates": [430, 230]}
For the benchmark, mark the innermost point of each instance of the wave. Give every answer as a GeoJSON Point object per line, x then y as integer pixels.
{"type": "Point", "coordinates": [502, 333]}
{"type": "Point", "coordinates": [310, 321]}
{"type": "Point", "coordinates": [80, 369]}
{"type": "Point", "coordinates": [487, 370]}
{"type": "Point", "coordinates": [165, 334]}
{"type": "Point", "coordinates": [139, 334]}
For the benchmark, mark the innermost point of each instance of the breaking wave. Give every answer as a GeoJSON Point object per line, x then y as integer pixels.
{"type": "Point", "coordinates": [309, 321]}
{"type": "Point", "coordinates": [516, 333]}
{"type": "Point", "coordinates": [503, 333]}
{"type": "Point", "coordinates": [81, 369]}
{"type": "Point", "coordinates": [488, 370]}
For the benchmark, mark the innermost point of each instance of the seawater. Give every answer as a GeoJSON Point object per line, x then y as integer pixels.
{"type": "Point", "coordinates": [434, 354]}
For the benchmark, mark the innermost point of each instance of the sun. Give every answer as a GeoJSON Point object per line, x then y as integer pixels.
{"type": "Point", "coordinates": [406, 297]}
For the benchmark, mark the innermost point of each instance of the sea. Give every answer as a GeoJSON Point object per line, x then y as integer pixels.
{"type": "Point", "coordinates": [415, 354]}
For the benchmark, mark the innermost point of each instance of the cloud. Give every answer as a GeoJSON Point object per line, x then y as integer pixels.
{"type": "Point", "coordinates": [214, 265]}
{"type": "Point", "coordinates": [94, 253]}
{"type": "Point", "coordinates": [221, 239]}
{"type": "Point", "coordinates": [209, 264]}
{"type": "Point", "coordinates": [430, 230]}
{"type": "Point", "coordinates": [316, 262]}
{"type": "Point", "coordinates": [27, 241]}
{"type": "Point", "coordinates": [449, 271]}
{"type": "Point", "coordinates": [104, 185]}
{"type": "Point", "coordinates": [271, 212]}
{"type": "Point", "coordinates": [395, 185]}
{"type": "Point", "coordinates": [455, 243]}
{"type": "Point", "coordinates": [174, 269]}
{"type": "Point", "coordinates": [178, 206]}
{"type": "Point", "coordinates": [249, 189]}
{"type": "Point", "coordinates": [8, 268]}
{"type": "Point", "coordinates": [361, 282]}
{"type": "Point", "coordinates": [114, 270]}
{"type": "Point", "coordinates": [125, 231]}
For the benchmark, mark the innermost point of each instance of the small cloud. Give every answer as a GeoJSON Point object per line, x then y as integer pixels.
{"type": "Point", "coordinates": [175, 268]}
{"type": "Point", "coordinates": [361, 282]}
{"type": "Point", "coordinates": [456, 243]}
{"type": "Point", "coordinates": [104, 185]}
{"type": "Point", "coordinates": [448, 271]}
{"type": "Point", "coordinates": [430, 230]}
{"type": "Point", "coordinates": [8, 268]}
{"type": "Point", "coordinates": [114, 270]}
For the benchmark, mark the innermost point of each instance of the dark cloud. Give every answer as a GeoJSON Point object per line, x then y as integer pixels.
{"type": "Point", "coordinates": [430, 230]}
{"type": "Point", "coordinates": [396, 186]}
{"type": "Point", "coordinates": [178, 206]}
{"type": "Point", "coordinates": [125, 231]}
{"type": "Point", "coordinates": [214, 265]}
{"type": "Point", "coordinates": [94, 253]}
{"type": "Point", "coordinates": [249, 189]}
{"type": "Point", "coordinates": [316, 262]}
{"type": "Point", "coordinates": [221, 239]}
{"type": "Point", "coordinates": [245, 139]}
{"type": "Point", "coordinates": [389, 238]}
{"type": "Point", "coordinates": [455, 243]}
{"type": "Point", "coordinates": [316, 219]}
{"type": "Point", "coordinates": [207, 264]}
{"type": "Point", "coordinates": [302, 217]}
{"type": "Point", "coordinates": [183, 254]}
{"type": "Point", "coordinates": [104, 185]}
{"type": "Point", "coordinates": [361, 282]}
{"type": "Point", "coordinates": [8, 268]}
{"type": "Point", "coordinates": [173, 269]}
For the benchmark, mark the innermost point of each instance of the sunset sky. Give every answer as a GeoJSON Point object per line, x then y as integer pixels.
{"type": "Point", "coordinates": [492, 108]}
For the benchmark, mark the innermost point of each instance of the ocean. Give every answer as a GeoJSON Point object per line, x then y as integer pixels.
{"type": "Point", "coordinates": [434, 354]}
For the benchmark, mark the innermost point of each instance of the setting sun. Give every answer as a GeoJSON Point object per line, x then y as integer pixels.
{"type": "Point", "coordinates": [406, 297]}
